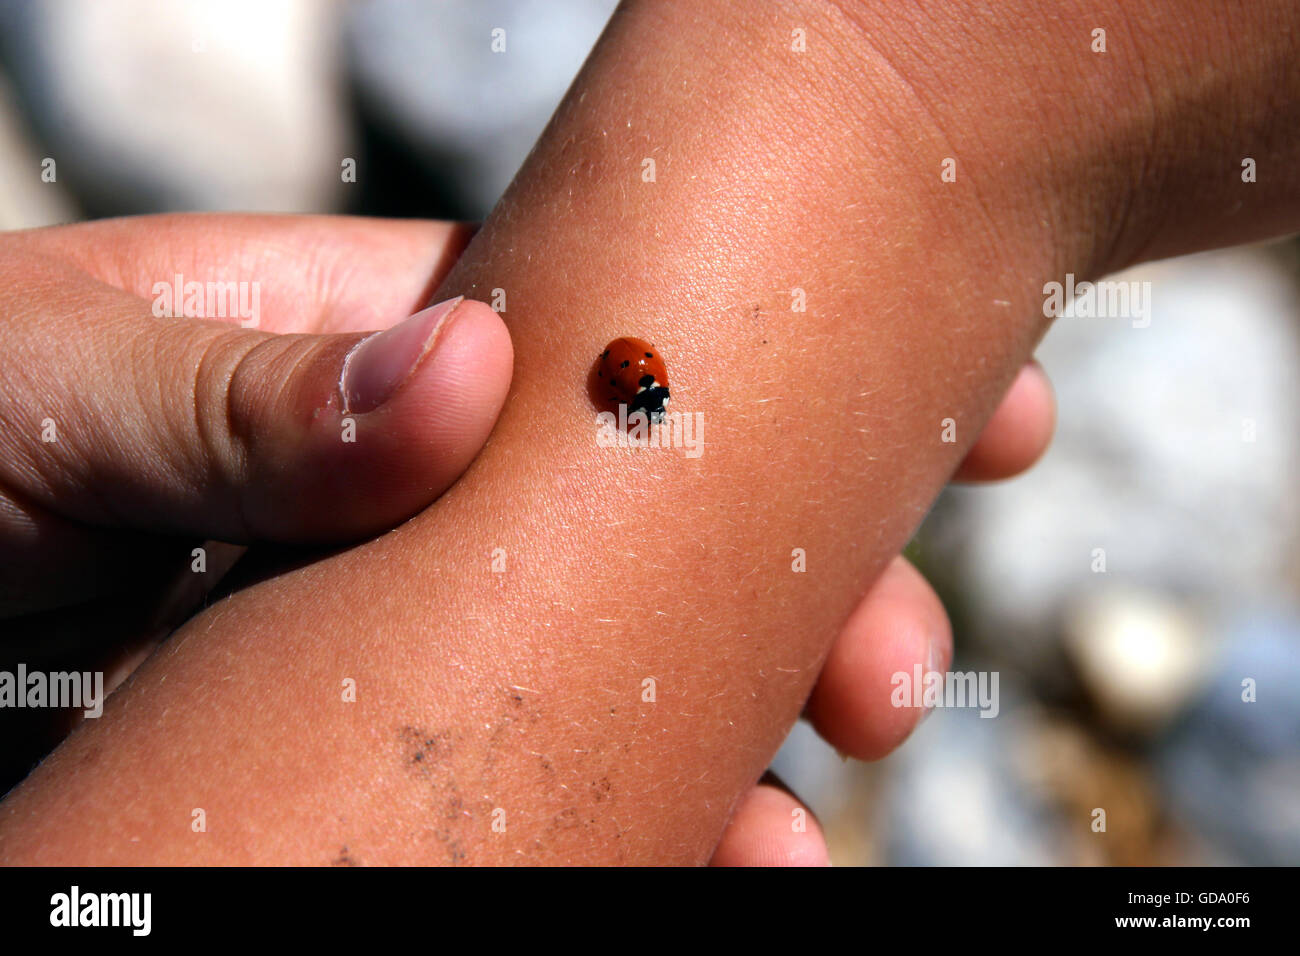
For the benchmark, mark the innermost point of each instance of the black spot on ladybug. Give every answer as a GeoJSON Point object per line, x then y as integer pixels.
{"type": "Point", "coordinates": [625, 364]}
{"type": "Point", "coordinates": [649, 355]}
{"type": "Point", "coordinates": [651, 401]}
{"type": "Point", "coordinates": [605, 354]}
{"type": "Point", "coordinates": [613, 383]}
{"type": "Point", "coordinates": [646, 381]}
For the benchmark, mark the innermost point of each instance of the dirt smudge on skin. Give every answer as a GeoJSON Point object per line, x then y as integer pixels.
{"type": "Point", "coordinates": [344, 858]}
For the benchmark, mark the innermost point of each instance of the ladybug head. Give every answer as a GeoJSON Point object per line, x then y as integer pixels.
{"type": "Point", "coordinates": [652, 399]}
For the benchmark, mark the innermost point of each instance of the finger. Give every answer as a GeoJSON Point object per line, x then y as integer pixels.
{"type": "Point", "coordinates": [1018, 433]}
{"type": "Point", "coordinates": [49, 561]}
{"type": "Point", "coordinates": [898, 626]}
{"type": "Point", "coordinates": [772, 827]}
{"type": "Point", "coordinates": [313, 273]}
{"type": "Point", "coordinates": [179, 426]}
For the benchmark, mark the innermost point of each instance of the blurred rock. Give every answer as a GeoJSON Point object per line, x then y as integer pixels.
{"type": "Point", "coordinates": [1107, 805]}
{"type": "Point", "coordinates": [467, 110]}
{"type": "Point", "coordinates": [26, 199]}
{"type": "Point", "coordinates": [1173, 468]}
{"type": "Point", "coordinates": [956, 797]}
{"type": "Point", "coordinates": [1140, 656]}
{"type": "Point", "coordinates": [151, 105]}
{"type": "Point", "coordinates": [1231, 769]}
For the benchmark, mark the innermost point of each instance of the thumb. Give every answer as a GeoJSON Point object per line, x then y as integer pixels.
{"type": "Point", "coordinates": [241, 435]}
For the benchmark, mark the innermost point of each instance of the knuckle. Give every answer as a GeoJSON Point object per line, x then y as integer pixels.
{"type": "Point", "coordinates": [221, 423]}
{"type": "Point", "coordinates": [255, 395]}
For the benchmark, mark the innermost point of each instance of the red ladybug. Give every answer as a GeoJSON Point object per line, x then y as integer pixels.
{"type": "Point", "coordinates": [632, 372]}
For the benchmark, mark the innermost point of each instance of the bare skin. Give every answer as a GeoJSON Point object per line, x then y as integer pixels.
{"type": "Point", "coordinates": [519, 698]}
{"type": "Point", "coordinates": [322, 277]}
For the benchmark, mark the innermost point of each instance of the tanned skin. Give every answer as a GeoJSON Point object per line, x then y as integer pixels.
{"type": "Point", "coordinates": [521, 698]}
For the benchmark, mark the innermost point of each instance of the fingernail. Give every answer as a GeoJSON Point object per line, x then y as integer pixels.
{"type": "Point", "coordinates": [377, 367]}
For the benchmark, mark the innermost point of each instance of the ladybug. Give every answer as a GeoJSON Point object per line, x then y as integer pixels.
{"type": "Point", "coordinates": [632, 372]}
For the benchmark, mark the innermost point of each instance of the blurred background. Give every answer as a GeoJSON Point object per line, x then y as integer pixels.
{"type": "Point", "coordinates": [1129, 592]}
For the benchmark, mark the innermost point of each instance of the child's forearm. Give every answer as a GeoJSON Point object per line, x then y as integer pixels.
{"type": "Point", "coordinates": [583, 653]}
